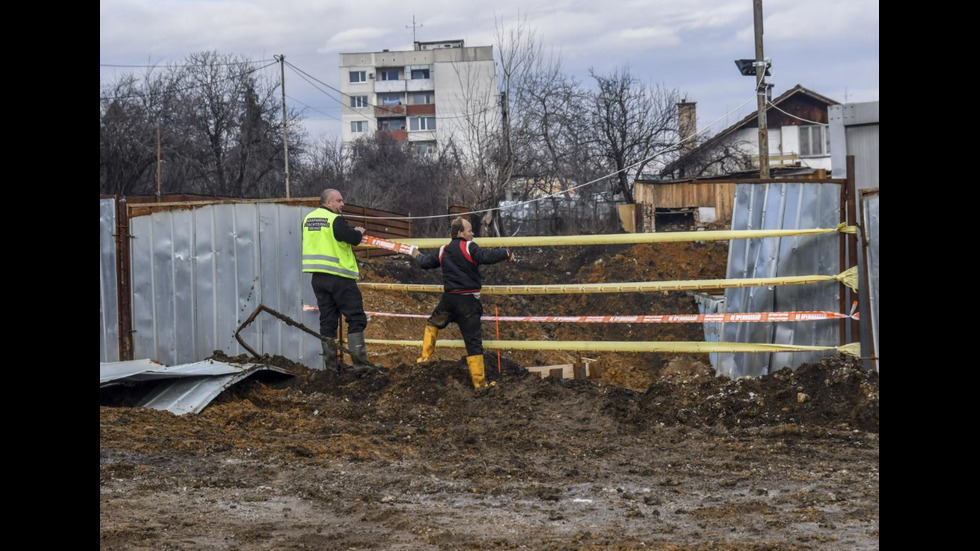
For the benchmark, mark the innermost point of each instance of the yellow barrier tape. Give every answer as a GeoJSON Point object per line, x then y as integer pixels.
{"type": "Point", "coordinates": [849, 279]}
{"type": "Point", "coordinates": [619, 239]}
{"type": "Point", "coordinates": [852, 349]}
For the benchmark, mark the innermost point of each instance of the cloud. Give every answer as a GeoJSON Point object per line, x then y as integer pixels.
{"type": "Point", "coordinates": [354, 40]}
{"type": "Point", "coordinates": [656, 36]}
{"type": "Point", "coordinates": [825, 21]}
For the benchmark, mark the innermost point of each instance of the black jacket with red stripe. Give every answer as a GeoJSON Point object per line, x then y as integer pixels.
{"type": "Point", "coordinates": [460, 261]}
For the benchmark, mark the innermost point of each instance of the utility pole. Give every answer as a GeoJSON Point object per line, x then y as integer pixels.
{"type": "Point", "coordinates": [509, 163]}
{"type": "Point", "coordinates": [159, 162]}
{"type": "Point", "coordinates": [760, 91]}
{"type": "Point", "coordinates": [285, 140]}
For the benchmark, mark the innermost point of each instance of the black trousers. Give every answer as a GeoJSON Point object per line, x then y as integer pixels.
{"type": "Point", "coordinates": [337, 295]}
{"type": "Point", "coordinates": [465, 311]}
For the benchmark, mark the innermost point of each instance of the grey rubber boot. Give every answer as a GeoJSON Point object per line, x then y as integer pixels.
{"type": "Point", "coordinates": [329, 348]}
{"type": "Point", "coordinates": [358, 354]}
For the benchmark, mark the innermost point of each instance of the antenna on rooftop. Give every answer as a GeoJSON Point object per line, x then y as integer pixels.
{"type": "Point", "coordinates": [413, 27]}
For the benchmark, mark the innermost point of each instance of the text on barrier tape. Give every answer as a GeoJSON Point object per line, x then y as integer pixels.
{"type": "Point", "coordinates": [387, 244]}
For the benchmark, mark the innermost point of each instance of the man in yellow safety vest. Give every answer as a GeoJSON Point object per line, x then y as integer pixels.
{"type": "Point", "coordinates": [328, 254]}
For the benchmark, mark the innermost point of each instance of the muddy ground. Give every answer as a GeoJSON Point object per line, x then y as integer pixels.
{"type": "Point", "coordinates": [659, 453]}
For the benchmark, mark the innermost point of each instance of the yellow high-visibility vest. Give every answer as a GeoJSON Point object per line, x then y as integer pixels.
{"type": "Point", "coordinates": [321, 250]}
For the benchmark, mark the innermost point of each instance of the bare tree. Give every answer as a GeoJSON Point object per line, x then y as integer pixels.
{"type": "Point", "coordinates": [636, 123]}
{"type": "Point", "coordinates": [382, 172]}
{"type": "Point", "coordinates": [220, 130]}
{"type": "Point", "coordinates": [230, 116]}
{"type": "Point", "coordinates": [135, 116]}
{"type": "Point", "coordinates": [324, 165]}
{"type": "Point", "coordinates": [725, 158]}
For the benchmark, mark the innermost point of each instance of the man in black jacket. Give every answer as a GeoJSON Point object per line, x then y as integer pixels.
{"type": "Point", "coordinates": [460, 303]}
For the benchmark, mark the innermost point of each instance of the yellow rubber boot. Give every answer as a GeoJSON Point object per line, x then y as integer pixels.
{"type": "Point", "coordinates": [428, 343]}
{"type": "Point", "coordinates": [477, 374]}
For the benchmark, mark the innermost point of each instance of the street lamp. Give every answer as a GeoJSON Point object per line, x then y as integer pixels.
{"type": "Point", "coordinates": [747, 66]}
{"type": "Point", "coordinates": [759, 67]}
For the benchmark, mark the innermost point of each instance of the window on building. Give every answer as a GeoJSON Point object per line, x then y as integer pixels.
{"type": "Point", "coordinates": [358, 101]}
{"type": "Point", "coordinates": [388, 74]}
{"type": "Point", "coordinates": [424, 147]}
{"type": "Point", "coordinates": [814, 141]}
{"type": "Point", "coordinates": [387, 100]}
{"type": "Point", "coordinates": [358, 126]}
{"type": "Point", "coordinates": [420, 73]}
{"type": "Point", "coordinates": [422, 98]}
{"type": "Point", "coordinates": [392, 124]}
{"type": "Point", "coordinates": [358, 76]}
{"type": "Point", "coordinates": [422, 123]}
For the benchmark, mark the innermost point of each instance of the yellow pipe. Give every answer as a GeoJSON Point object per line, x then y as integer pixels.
{"type": "Point", "coordinates": [619, 238]}
{"type": "Point", "coordinates": [852, 349]}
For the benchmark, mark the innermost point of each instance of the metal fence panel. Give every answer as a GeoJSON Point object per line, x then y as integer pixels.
{"type": "Point", "coordinates": [869, 208]}
{"type": "Point", "coordinates": [782, 206]}
{"type": "Point", "coordinates": [108, 284]}
{"type": "Point", "coordinates": [198, 274]}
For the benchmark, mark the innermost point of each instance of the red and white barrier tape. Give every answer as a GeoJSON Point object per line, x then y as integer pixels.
{"type": "Point", "coordinates": [761, 317]}
{"type": "Point", "coordinates": [387, 244]}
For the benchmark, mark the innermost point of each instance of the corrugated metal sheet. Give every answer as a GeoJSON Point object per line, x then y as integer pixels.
{"type": "Point", "coordinates": [854, 131]}
{"type": "Point", "coordinates": [199, 272]}
{"type": "Point", "coordinates": [869, 209]}
{"type": "Point", "coordinates": [192, 386]}
{"type": "Point", "coordinates": [148, 370]}
{"type": "Point", "coordinates": [115, 372]}
{"type": "Point", "coordinates": [189, 395]}
{"type": "Point", "coordinates": [782, 206]}
{"type": "Point", "coordinates": [711, 304]}
{"type": "Point", "coordinates": [108, 285]}
{"type": "Point", "coordinates": [862, 142]}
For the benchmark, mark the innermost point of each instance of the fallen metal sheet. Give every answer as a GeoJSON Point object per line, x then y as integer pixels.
{"type": "Point", "coordinates": [111, 373]}
{"type": "Point", "coordinates": [148, 370]}
{"type": "Point", "coordinates": [206, 368]}
{"type": "Point", "coordinates": [193, 392]}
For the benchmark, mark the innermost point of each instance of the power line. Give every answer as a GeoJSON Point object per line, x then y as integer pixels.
{"type": "Point", "coordinates": [774, 106]}
{"type": "Point", "coordinates": [182, 89]}
{"type": "Point", "coordinates": [183, 66]}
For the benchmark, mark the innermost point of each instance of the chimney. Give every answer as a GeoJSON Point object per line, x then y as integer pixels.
{"type": "Point", "coordinates": [687, 125]}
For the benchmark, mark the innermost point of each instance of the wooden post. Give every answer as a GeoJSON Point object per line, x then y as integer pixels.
{"type": "Point", "coordinates": [852, 242]}
{"type": "Point", "coordinates": [595, 371]}
{"type": "Point", "coordinates": [842, 262]}
{"type": "Point", "coordinates": [340, 341]}
{"type": "Point", "coordinates": [123, 286]}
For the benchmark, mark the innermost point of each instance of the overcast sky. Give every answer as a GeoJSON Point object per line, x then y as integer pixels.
{"type": "Point", "coordinates": [828, 46]}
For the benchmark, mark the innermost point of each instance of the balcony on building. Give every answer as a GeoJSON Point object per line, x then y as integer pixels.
{"type": "Point", "coordinates": [394, 127]}
{"type": "Point", "coordinates": [422, 136]}
{"type": "Point", "coordinates": [427, 109]}
{"type": "Point", "coordinates": [388, 86]}
{"type": "Point", "coordinates": [397, 135]}
{"type": "Point", "coordinates": [386, 111]}
{"type": "Point", "coordinates": [419, 78]}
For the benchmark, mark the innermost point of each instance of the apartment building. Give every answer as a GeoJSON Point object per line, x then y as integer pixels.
{"type": "Point", "coordinates": [438, 92]}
